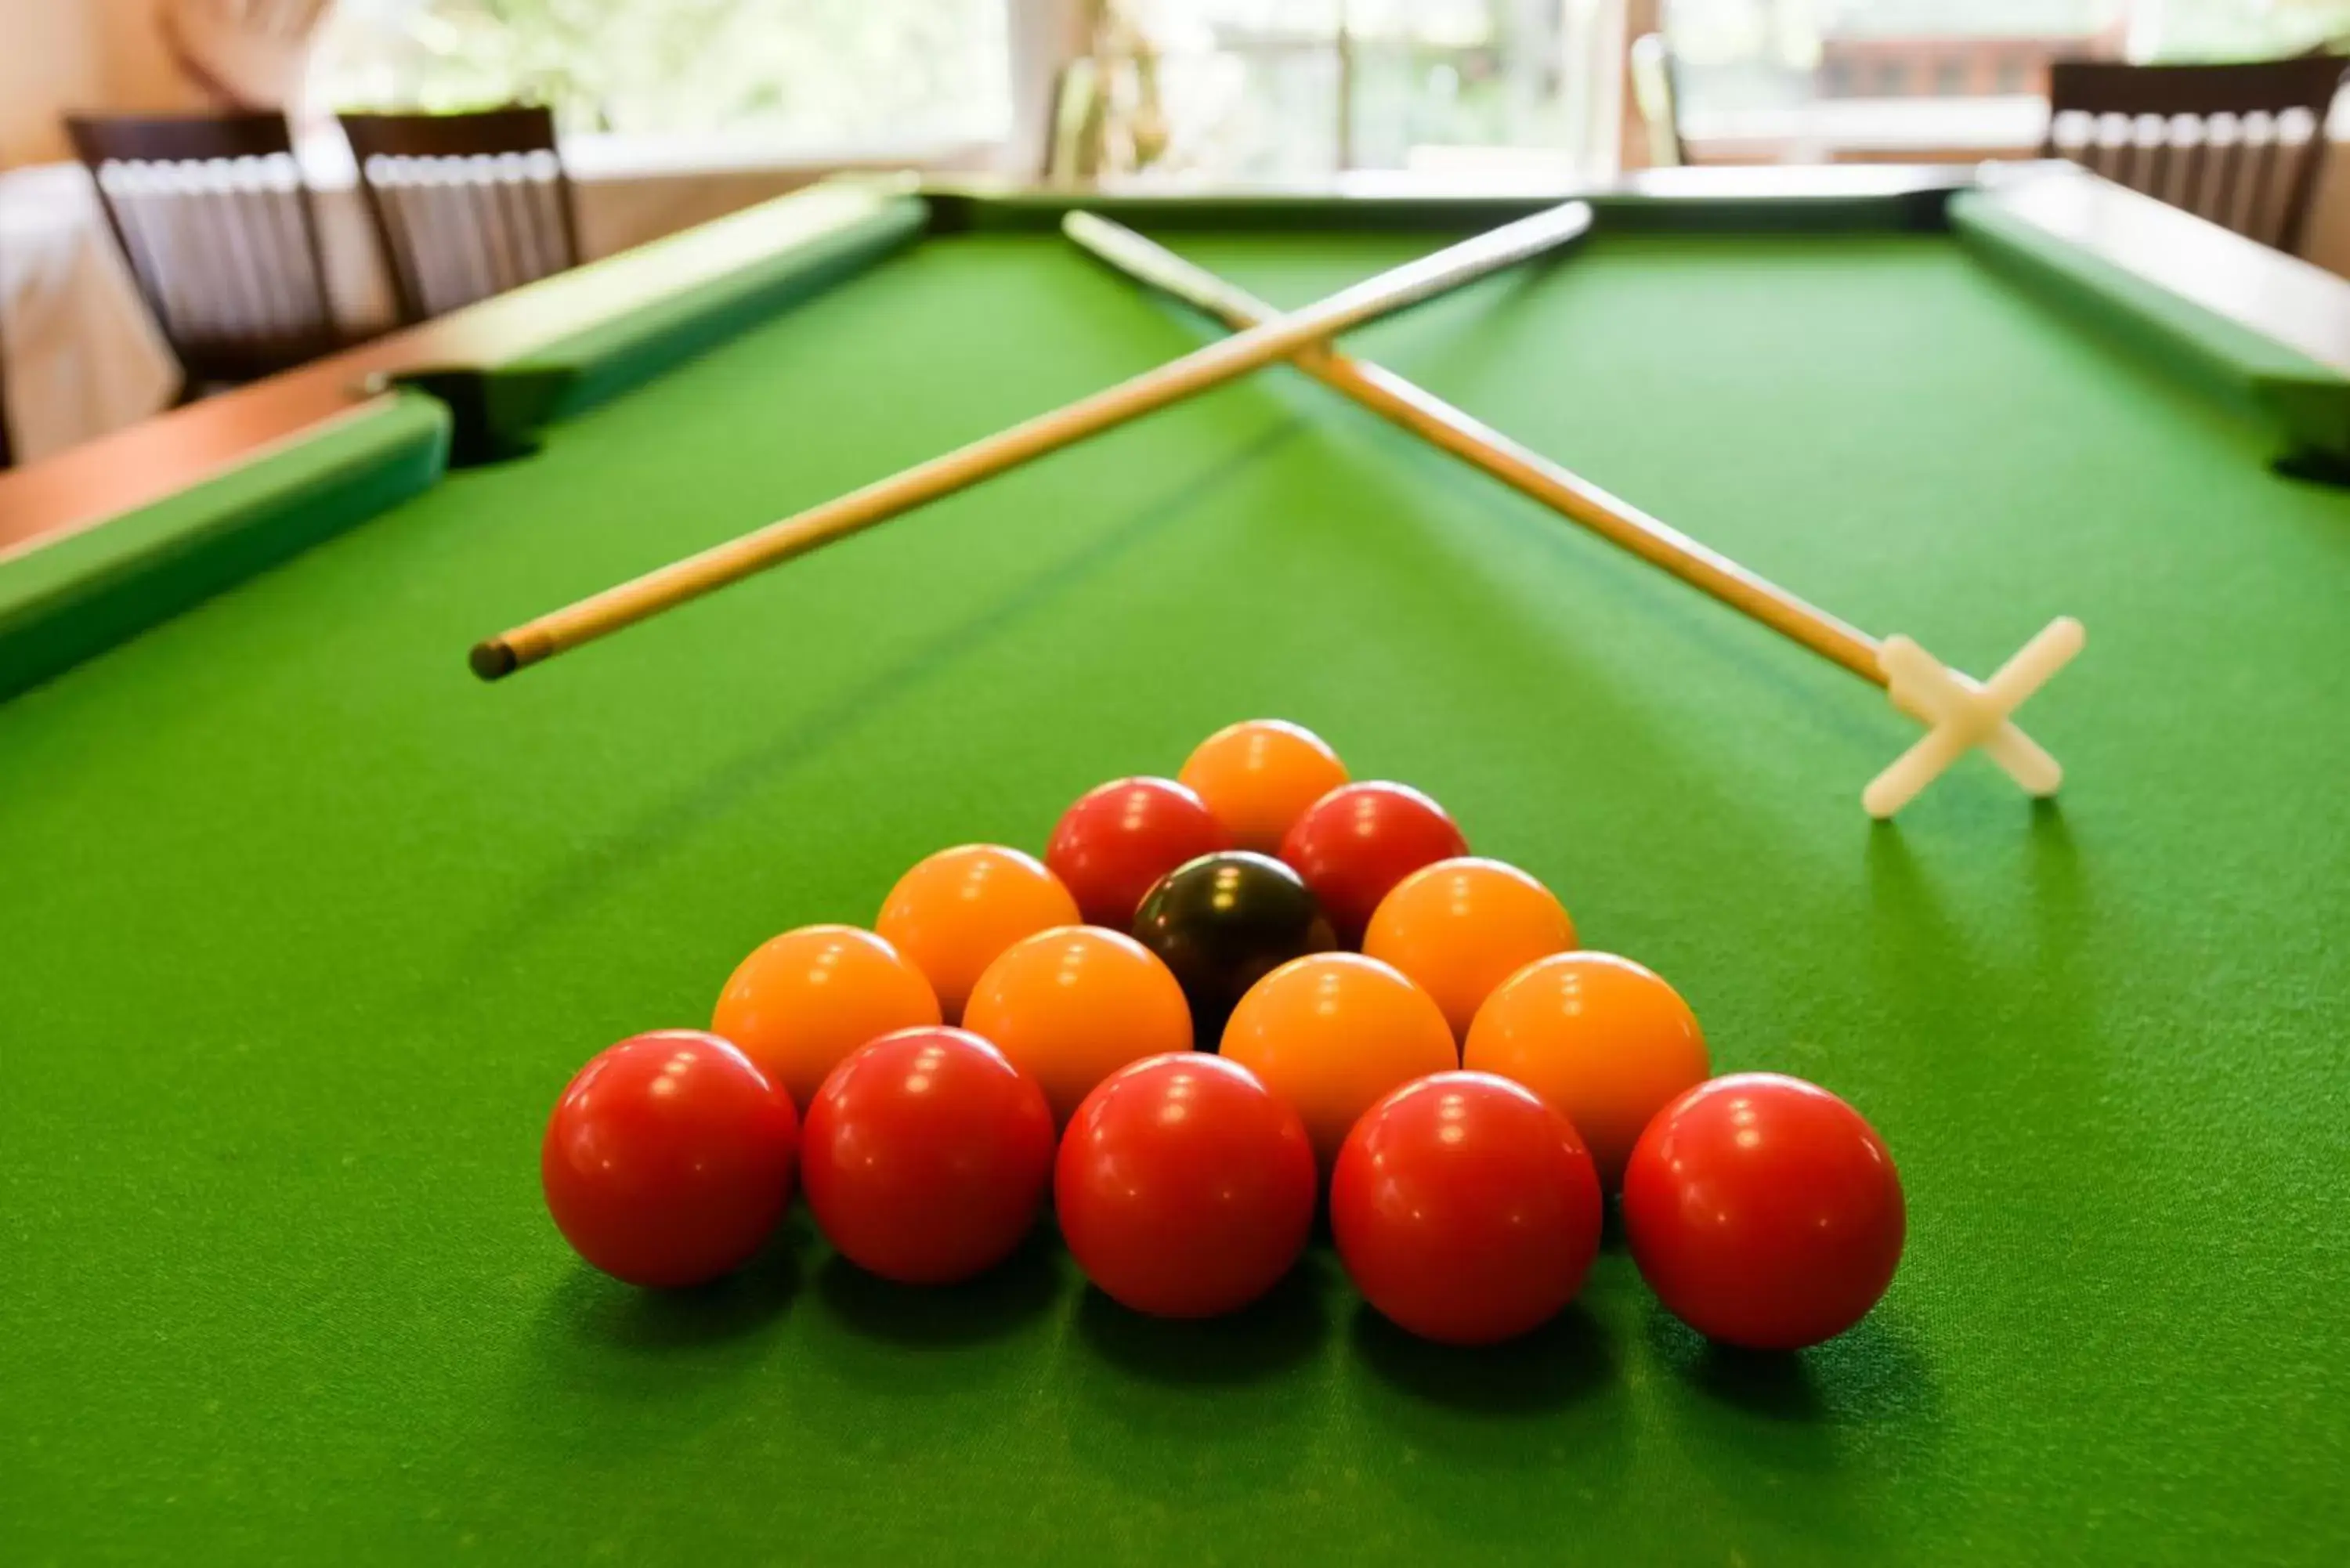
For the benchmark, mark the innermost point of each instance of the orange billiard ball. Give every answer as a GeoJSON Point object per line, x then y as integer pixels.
{"type": "Point", "coordinates": [1604, 1042]}
{"type": "Point", "coordinates": [1071, 1006]}
{"type": "Point", "coordinates": [1258, 777]}
{"type": "Point", "coordinates": [1459, 927]}
{"type": "Point", "coordinates": [955, 911]}
{"type": "Point", "coordinates": [805, 999]}
{"type": "Point", "coordinates": [1332, 1033]}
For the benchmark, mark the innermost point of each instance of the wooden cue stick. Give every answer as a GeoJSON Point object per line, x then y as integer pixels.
{"type": "Point", "coordinates": [1276, 338]}
{"type": "Point", "coordinates": [1422, 413]}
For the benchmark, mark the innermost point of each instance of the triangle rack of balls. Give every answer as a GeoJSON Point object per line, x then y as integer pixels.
{"type": "Point", "coordinates": [1217, 1004]}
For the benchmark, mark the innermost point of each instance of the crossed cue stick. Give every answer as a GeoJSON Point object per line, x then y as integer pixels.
{"type": "Point", "coordinates": [1959, 713]}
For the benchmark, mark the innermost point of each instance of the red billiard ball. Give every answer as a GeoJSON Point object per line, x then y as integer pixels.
{"type": "Point", "coordinates": [1355, 844]}
{"type": "Point", "coordinates": [1121, 837]}
{"type": "Point", "coordinates": [926, 1155]}
{"type": "Point", "coordinates": [1183, 1187]}
{"type": "Point", "coordinates": [1763, 1212]}
{"type": "Point", "coordinates": [669, 1158]}
{"type": "Point", "coordinates": [1465, 1210]}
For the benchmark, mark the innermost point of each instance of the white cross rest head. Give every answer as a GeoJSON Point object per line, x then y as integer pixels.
{"type": "Point", "coordinates": [1961, 714]}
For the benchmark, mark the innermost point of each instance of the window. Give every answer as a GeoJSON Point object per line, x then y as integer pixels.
{"type": "Point", "coordinates": [1275, 89]}
{"type": "Point", "coordinates": [1300, 89]}
{"type": "Point", "coordinates": [815, 73]}
{"type": "Point", "coordinates": [1228, 89]}
{"type": "Point", "coordinates": [1748, 64]}
{"type": "Point", "coordinates": [2241, 29]}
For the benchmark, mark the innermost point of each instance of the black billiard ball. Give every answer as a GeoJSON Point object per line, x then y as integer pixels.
{"type": "Point", "coordinates": [1224, 921]}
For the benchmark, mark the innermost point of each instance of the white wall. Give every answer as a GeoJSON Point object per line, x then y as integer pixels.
{"type": "Point", "coordinates": [141, 76]}
{"type": "Point", "coordinates": [68, 54]}
{"type": "Point", "coordinates": [52, 62]}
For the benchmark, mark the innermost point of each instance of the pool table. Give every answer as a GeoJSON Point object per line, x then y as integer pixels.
{"type": "Point", "coordinates": [302, 927]}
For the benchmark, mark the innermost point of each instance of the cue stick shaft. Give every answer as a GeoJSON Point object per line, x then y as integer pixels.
{"type": "Point", "coordinates": [1425, 415]}
{"type": "Point", "coordinates": [1276, 338]}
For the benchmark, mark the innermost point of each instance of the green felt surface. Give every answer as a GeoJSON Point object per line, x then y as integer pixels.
{"type": "Point", "coordinates": [301, 930]}
{"type": "Point", "coordinates": [84, 593]}
{"type": "Point", "coordinates": [2309, 403]}
{"type": "Point", "coordinates": [629, 348]}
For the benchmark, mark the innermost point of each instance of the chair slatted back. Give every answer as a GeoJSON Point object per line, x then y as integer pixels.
{"type": "Point", "coordinates": [218, 228]}
{"type": "Point", "coordinates": [2238, 144]}
{"type": "Point", "coordinates": [8, 455]}
{"type": "Point", "coordinates": [465, 205]}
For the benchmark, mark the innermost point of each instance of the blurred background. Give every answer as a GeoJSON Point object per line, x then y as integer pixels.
{"type": "Point", "coordinates": [664, 113]}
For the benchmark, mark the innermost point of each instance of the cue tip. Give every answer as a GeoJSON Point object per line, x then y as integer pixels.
{"type": "Point", "coordinates": [493, 658]}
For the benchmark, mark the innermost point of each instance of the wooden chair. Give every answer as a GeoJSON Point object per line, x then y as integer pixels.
{"type": "Point", "coordinates": [465, 205]}
{"type": "Point", "coordinates": [2239, 144]}
{"type": "Point", "coordinates": [214, 217]}
{"type": "Point", "coordinates": [7, 454]}
{"type": "Point", "coordinates": [1656, 89]}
